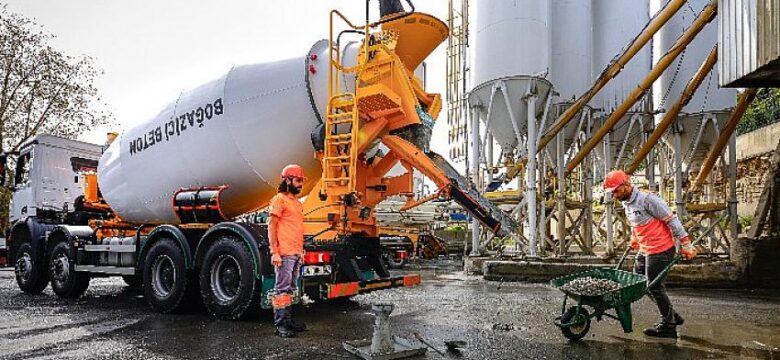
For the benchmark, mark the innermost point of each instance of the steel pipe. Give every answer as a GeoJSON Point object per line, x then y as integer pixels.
{"type": "Point", "coordinates": [706, 16]}
{"type": "Point", "coordinates": [745, 99]}
{"type": "Point", "coordinates": [613, 69]}
{"type": "Point", "coordinates": [674, 111]}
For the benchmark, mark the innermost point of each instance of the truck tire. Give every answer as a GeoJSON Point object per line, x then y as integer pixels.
{"type": "Point", "coordinates": [165, 278]}
{"type": "Point", "coordinates": [65, 281]}
{"type": "Point", "coordinates": [227, 283]}
{"type": "Point", "coordinates": [31, 275]}
{"type": "Point", "coordinates": [393, 263]}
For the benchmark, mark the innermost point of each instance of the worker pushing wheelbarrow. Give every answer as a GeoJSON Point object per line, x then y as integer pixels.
{"type": "Point", "coordinates": [660, 241]}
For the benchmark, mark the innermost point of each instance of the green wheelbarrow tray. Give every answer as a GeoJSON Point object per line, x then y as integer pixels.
{"type": "Point", "coordinates": [575, 321]}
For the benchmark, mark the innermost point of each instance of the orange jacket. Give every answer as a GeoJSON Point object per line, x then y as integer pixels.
{"type": "Point", "coordinates": [286, 228]}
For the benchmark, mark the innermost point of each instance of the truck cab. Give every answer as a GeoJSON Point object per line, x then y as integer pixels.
{"type": "Point", "coordinates": [47, 182]}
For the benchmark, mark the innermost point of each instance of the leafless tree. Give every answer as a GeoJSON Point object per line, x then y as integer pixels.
{"type": "Point", "coordinates": [42, 90]}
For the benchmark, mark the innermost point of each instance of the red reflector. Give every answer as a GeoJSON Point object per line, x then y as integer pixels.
{"type": "Point", "coordinates": [316, 257]}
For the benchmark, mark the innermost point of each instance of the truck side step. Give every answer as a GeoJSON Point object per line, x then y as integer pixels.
{"type": "Point", "coordinates": [111, 248]}
{"type": "Point", "coordinates": [106, 269]}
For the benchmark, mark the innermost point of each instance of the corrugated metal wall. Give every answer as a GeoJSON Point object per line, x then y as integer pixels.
{"type": "Point", "coordinates": [749, 38]}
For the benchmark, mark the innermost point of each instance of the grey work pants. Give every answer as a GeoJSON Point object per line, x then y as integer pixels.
{"type": "Point", "coordinates": [651, 266]}
{"type": "Point", "coordinates": [285, 283]}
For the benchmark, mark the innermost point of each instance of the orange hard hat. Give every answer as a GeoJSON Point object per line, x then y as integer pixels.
{"type": "Point", "coordinates": [614, 179]}
{"type": "Point", "coordinates": [293, 170]}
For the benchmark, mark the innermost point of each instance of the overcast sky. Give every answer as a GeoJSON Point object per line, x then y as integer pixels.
{"type": "Point", "coordinates": [152, 50]}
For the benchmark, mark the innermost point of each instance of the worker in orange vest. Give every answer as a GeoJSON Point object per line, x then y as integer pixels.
{"type": "Point", "coordinates": [285, 233]}
{"type": "Point", "coordinates": [654, 229]}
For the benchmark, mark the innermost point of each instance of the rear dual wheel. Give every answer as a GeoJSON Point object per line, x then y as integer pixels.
{"type": "Point", "coordinates": [167, 284]}
{"type": "Point", "coordinates": [228, 287]}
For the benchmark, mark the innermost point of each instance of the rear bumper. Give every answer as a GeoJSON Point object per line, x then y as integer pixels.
{"type": "Point", "coordinates": [333, 291]}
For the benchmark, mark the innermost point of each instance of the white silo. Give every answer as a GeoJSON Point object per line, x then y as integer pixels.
{"type": "Point", "coordinates": [510, 65]}
{"type": "Point", "coordinates": [512, 52]}
{"type": "Point", "coordinates": [571, 47]}
{"type": "Point", "coordinates": [701, 120]}
{"type": "Point", "coordinates": [615, 24]}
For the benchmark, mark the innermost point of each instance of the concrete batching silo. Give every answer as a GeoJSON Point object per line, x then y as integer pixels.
{"type": "Point", "coordinates": [511, 61]}
{"type": "Point", "coordinates": [571, 60]}
{"type": "Point", "coordinates": [615, 24]}
{"type": "Point", "coordinates": [701, 120]}
{"type": "Point", "coordinates": [570, 73]}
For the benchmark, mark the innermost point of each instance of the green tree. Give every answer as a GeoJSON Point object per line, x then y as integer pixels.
{"type": "Point", "coordinates": [42, 90]}
{"type": "Point", "coordinates": [764, 110]}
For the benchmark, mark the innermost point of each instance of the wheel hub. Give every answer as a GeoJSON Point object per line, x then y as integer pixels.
{"type": "Point", "coordinates": [60, 268]}
{"type": "Point", "coordinates": [163, 276]}
{"type": "Point", "coordinates": [225, 278]}
{"type": "Point", "coordinates": [23, 267]}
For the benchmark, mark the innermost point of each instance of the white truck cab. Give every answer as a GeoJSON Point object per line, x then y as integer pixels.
{"type": "Point", "coordinates": [47, 177]}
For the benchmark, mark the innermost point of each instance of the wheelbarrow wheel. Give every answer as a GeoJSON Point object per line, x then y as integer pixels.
{"type": "Point", "coordinates": [575, 332]}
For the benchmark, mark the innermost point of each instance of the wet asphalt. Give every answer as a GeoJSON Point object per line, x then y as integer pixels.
{"type": "Point", "coordinates": [496, 320]}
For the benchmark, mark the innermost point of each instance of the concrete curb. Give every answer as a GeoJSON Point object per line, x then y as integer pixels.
{"type": "Point", "coordinates": [721, 274]}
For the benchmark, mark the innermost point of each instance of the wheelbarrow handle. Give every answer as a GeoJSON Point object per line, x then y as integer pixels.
{"type": "Point", "coordinates": [623, 258]}
{"type": "Point", "coordinates": [677, 257]}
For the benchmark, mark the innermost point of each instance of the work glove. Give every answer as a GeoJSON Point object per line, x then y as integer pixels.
{"type": "Point", "coordinates": [687, 250]}
{"type": "Point", "coordinates": [276, 260]}
{"type": "Point", "coordinates": [634, 244]}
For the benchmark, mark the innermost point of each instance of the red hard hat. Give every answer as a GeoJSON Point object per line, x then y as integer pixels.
{"type": "Point", "coordinates": [293, 170]}
{"type": "Point", "coordinates": [614, 179]}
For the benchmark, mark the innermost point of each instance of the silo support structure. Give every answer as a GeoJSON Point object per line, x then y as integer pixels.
{"type": "Point", "coordinates": [671, 114]}
{"type": "Point", "coordinates": [475, 156]}
{"type": "Point", "coordinates": [561, 197]}
{"type": "Point", "coordinates": [530, 172]}
{"type": "Point", "coordinates": [608, 206]}
{"type": "Point", "coordinates": [717, 149]}
{"type": "Point", "coordinates": [704, 18]}
{"type": "Point", "coordinates": [614, 69]}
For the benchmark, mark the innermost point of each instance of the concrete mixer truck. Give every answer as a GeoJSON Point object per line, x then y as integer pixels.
{"type": "Point", "coordinates": [158, 206]}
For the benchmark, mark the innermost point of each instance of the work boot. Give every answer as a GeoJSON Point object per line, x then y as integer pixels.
{"type": "Point", "coordinates": [662, 331]}
{"type": "Point", "coordinates": [678, 320]}
{"type": "Point", "coordinates": [296, 326]}
{"type": "Point", "coordinates": [284, 331]}
{"type": "Point", "coordinates": [282, 321]}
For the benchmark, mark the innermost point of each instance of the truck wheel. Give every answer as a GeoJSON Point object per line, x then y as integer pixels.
{"type": "Point", "coordinates": [393, 263]}
{"type": "Point", "coordinates": [227, 283]}
{"type": "Point", "coordinates": [31, 275]}
{"type": "Point", "coordinates": [65, 281]}
{"type": "Point", "coordinates": [165, 279]}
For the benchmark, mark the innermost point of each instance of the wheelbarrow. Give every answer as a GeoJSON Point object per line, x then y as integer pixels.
{"type": "Point", "coordinates": [574, 321]}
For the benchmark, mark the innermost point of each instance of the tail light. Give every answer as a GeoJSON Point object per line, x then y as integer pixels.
{"type": "Point", "coordinates": [316, 257]}
{"type": "Point", "coordinates": [402, 254]}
